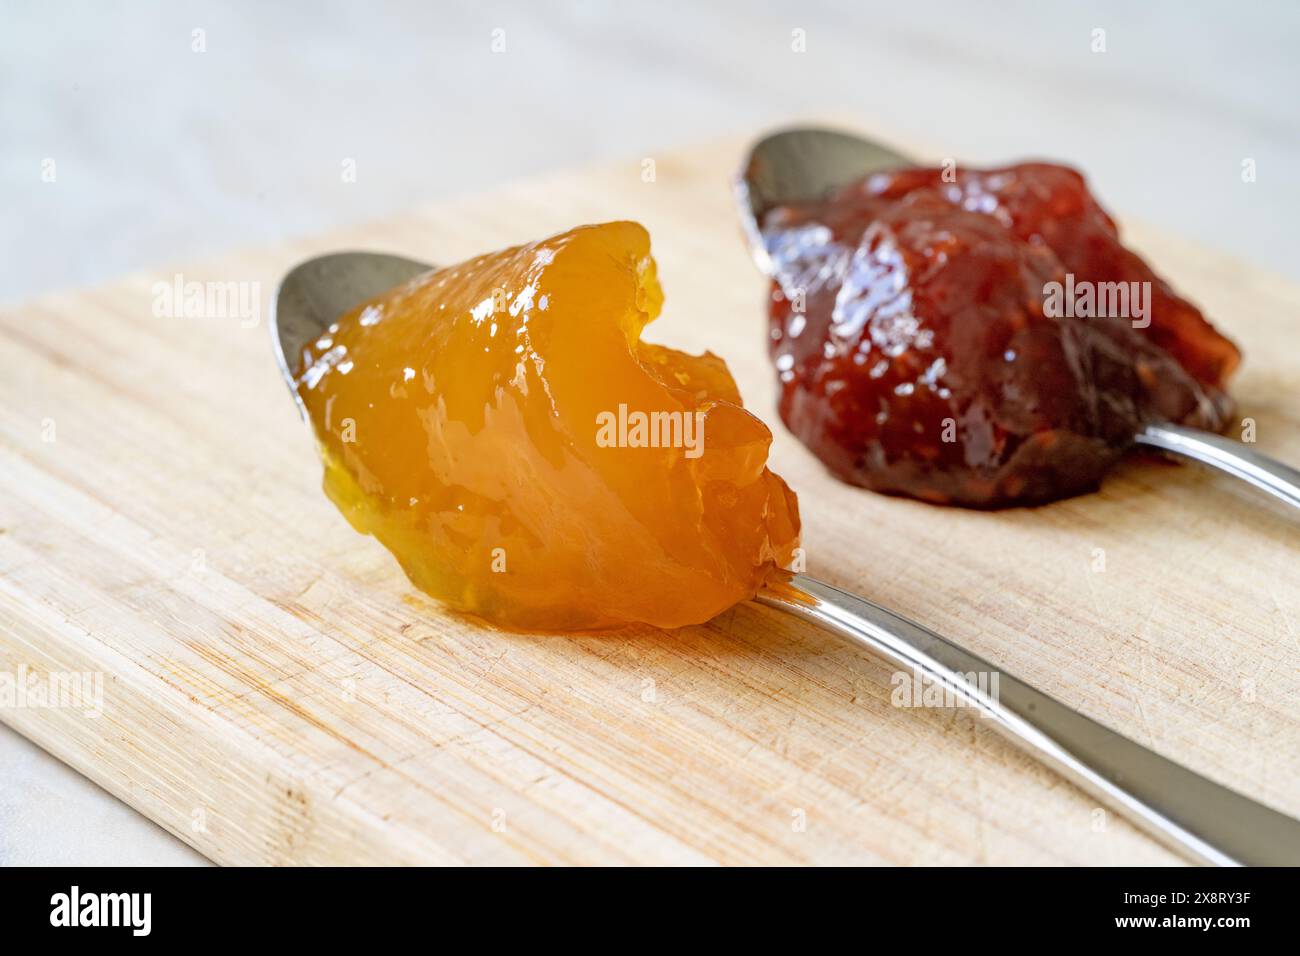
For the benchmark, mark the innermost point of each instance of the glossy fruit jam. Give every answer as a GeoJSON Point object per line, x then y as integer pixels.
{"type": "Point", "coordinates": [502, 430]}
{"type": "Point", "coordinates": [979, 337]}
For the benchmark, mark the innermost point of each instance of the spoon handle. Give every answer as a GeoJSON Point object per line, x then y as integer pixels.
{"type": "Point", "coordinates": [1234, 458]}
{"type": "Point", "coordinates": [1187, 812]}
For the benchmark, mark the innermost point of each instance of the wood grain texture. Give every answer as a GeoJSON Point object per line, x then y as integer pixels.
{"type": "Point", "coordinates": [276, 692]}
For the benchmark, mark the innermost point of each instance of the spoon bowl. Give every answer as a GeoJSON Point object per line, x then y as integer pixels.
{"type": "Point", "coordinates": [797, 165]}
{"type": "Point", "coordinates": [317, 292]}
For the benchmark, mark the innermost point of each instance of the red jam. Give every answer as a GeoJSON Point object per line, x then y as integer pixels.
{"type": "Point", "coordinates": [983, 341]}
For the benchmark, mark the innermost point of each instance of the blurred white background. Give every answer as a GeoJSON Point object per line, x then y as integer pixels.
{"type": "Point", "coordinates": [163, 154]}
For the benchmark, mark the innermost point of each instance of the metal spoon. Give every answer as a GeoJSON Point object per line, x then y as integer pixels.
{"type": "Point", "coordinates": [1187, 812]}
{"type": "Point", "coordinates": [806, 164]}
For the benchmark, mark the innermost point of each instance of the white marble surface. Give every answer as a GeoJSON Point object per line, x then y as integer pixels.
{"type": "Point", "coordinates": [162, 153]}
{"type": "Point", "coordinates": [52, 816]}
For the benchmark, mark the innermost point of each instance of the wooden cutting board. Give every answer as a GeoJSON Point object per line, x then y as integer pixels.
{"type": "Point", "coordinates": [275, 692]}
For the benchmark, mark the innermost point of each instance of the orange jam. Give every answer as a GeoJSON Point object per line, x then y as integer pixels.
{"type": "Point", "coordinates": [502, 430]}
